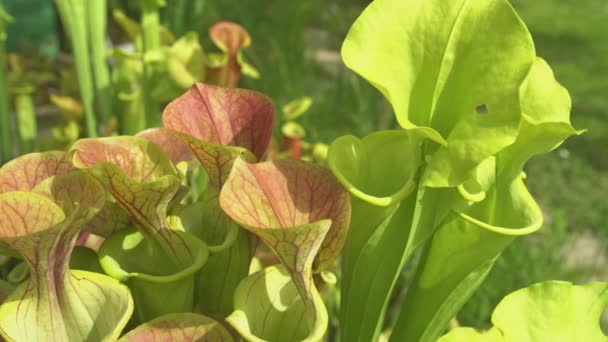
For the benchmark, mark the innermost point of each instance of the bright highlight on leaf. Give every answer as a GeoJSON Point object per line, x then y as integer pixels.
{"type": "Point", "coordinates": [464, 82]}
{"type": "Point", "coordinates": [549, 311]}
{"type": "Point", "coordinates": [465, 245]}
{"type": "Point", "coordinates": [271, 293]}
{"type": "Point", "coordinates": [298, 209]}
{"type": "Point", "coordinates": [436, 62]}
{"type": "Point", "coordinates": [42, 224]}
{"type": "Point", "coordinates": [219, 125]}
{"type": "Point", "coordinates": [143, 181]}
{"type": "Point", "coordinates": [380, 173]}
{"type": "Point", "coordinates": [139, 176]}
{"type": "Point", "coordinates": [229, 245]}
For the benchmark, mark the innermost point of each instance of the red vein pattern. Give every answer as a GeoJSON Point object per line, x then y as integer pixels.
{"type": "Point", "coordinates": [299, 209]}
{"type": "Point", "coordinates": [57, 304]}
{"type": "Point", "coordinates": [181, 327]}
{"type": "Point", "coordinates": [140, 159]}
{"type": "Point", "coordinates": [142, 180]}
{"type": "Point", "coordinates": [286, 194]}
{"type": "Point", "coordinates": [175, 149]}
{"type": "Point", "coordinates": [223, 116]}
{"type": "Point", "coordinates": [25, 172]}
{"type": "Point", "coordinates": [231, 38]}
{"type": "Point", "coordinates": [217, 160]}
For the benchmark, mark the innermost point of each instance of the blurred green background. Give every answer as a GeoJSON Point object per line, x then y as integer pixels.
{"type": "Point", "coordinates": [296, 49]}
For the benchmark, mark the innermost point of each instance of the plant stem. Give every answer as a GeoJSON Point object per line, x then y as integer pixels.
{"type": "Point", "coordinates": [177, 18]}
{"type": "Point", "coordinates": [6, 151]}
{"type": "Point", "coordinates": [73, 14]}
{"type": "Point", "coordinates": [150, 25]}
{"type": "Point", "coordinates": [97, 21]}
{"type": "Point", "coordinates": [26, 119]}
{"type": "Point", "coordinates": [133, 117]}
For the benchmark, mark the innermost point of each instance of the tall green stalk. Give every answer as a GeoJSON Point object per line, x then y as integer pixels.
{"type": "Point", "coordinates": [6, 150]}
{"type": "Point", "coordinates": [26, 118]}
{"type": "Point", "coordinates": [74, 16]}
{"type": "Point", "coordinates": [97, 22]}
{"type": "Point", "coordinates": [150, 25]}
{"type": "Point", "coordinates": [178, 12]}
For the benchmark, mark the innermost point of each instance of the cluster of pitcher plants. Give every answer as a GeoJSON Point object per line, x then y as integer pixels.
{"type": "Point", "coordinates": [197, 231]}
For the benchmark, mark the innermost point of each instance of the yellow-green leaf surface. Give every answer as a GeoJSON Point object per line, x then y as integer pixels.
{"type": "Point", "coordinates": [230, 257]}
{"type": "Point", "coordinates": [141, 178]}
{"type": "Point", "coordinates": [273, 197]}
{"type": "Point", "coordinates": [56, 303]}
{"type": "Point", "coordinates": [220, 124]}
{"type": "Point", "coordinates": [269, 308]}
{"type": "Point", "coordinates": [180, 66]}
{"type": "Point", "coordinates": [462, 251]}
{"type": "Point", "coordinates": [297, 209]}
{"type": "Point", "coordinates": [25, 172]}
{"type": "Point", "coordinates": [451, 70]}
{"type": "Point", "coordinates": [471, 335]}
{"type": "Point", "coordinates": [159, 286]}
{"type": "Point", "coordinates": [379, 171]}
{"type": "Point", "coordinates": [550, 311]}
{"type": "Point", "coordinates": [180, 327]}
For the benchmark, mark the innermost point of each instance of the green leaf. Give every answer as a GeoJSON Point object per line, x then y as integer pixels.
{"type": "Point", "coordinates": [6, 289]}
{"type": "Point", "coordinates": [463, 249]}
{"type": "Point", "coordinates": [545, 124]}
{"type": "Point", "coordinates": [143, 181]}
{"type": "Point", "coordinates": [129, 26]}
{"type": "Point", "coordinates": [179, 327]}
{"type": "Point", "coordinates": [379, 171]}
{"type": "Point", "coordinates": [220, 124]}
{"type": "Point", "coordinates": [548, 311]}
{"type": "Point", "coordinates": [297, 209]}
{"type": "Point", "coordinates": [296, 108]}
{"type": "Point", "coordinates": [379, 168]}
{"type": "Point", "coordinates": [471, 335]}
{"type": "Point", "coordinates": [460, 254]}
{"type": "Point", "coordinates": [85, 259]}
{"type": "Point", "coordinates": [271, 294]}
{"type": "Point", "coordinates": [230, 257]}
{"type": "Point", "coordinates": [179, 66]}
{"type": "Point", "coordinates": [67, 305]}
{"type": "Point", "coordinates": [73, 15]}
{"type": "Point", "coordinates": [442, 64]}
{"type": "Point", "coordinates": [158, 285]}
